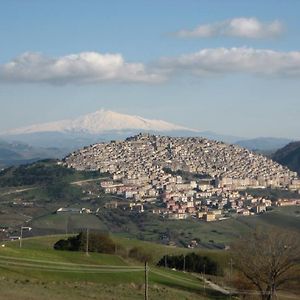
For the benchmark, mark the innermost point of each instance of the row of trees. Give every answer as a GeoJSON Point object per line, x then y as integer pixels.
{"type": "Point", "coordinates": [191, 262]}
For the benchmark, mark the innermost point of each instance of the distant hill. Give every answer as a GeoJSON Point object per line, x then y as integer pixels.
{"type": "Point", "coordinates": [289, 156]}
{"type": "Point", "coordinates": [16, 153]}
{"type": "Point", "coordinates": [264, 144]}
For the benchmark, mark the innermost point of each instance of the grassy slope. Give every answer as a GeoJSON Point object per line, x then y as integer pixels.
{"type": "Point", "coordinates": [32, 282]}
{"type": "Point", "coordinates": [150, 227]}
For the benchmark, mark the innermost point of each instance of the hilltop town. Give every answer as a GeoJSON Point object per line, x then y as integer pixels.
{"type": "Point", "coordinates": [185, 176]}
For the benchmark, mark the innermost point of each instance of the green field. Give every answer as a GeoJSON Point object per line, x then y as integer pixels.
{"type": "Point", "coordinates": [38, 272]}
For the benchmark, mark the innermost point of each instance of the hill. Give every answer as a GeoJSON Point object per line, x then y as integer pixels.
{"type": "Point", "coordinates": [38, 272]}
{"type": "Point", "coordinates": [31, 195]}
{"type": "Point", "coordinates": [16, 153]}
{"type": "Point", "coordinates": [147, 156]}
{"type": "Point", "coordinates": [289, 156]}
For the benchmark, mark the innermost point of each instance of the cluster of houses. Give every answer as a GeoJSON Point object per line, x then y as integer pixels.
{"type": "Point", "coordinates": [199, 200]}
{"type": "Point", "coordinates": [138, 174]}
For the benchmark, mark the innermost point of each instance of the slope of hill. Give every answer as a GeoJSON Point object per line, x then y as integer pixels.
{"type": "Point", "coordinates": [289, 156]}
{"type": "Point", "coordinates": [196, 155]}
{"type": "Point", "coordinates": [38, 272]}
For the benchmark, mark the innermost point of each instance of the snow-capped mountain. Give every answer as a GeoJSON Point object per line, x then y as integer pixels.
{"type": "Point", "coordinates": [100, 122]}
{"type": "Point", "coordinates": [62, 137]}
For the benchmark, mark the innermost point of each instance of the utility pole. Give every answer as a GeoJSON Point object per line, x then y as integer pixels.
{"type": "Point", "coordinates": [183, 262]}
{"type": "Point", "coordinates": [204, 278]}
{"type": "Point", "coordinates": [146, 281]}
{"type": "Point", "coordinates": [21, 235]}
{"type": "Point", "coordinates": [230, 277]}
{"type": "Point", "coordinates": [67, 225]}
{"type": "Point", "coordinates": [87, 242]}
{"type": "Point", "coordinates": [166, 261]}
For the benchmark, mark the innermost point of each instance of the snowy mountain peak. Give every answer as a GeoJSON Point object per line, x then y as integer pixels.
{"type": "Point", "coordinates": [99, 122]}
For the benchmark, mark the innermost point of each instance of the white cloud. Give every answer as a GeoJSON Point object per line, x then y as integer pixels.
{"type": "Point", "coordinates": [235, 60]}
{"type": "Point", "coordinates": [94, 68]}
{"type": "Point", "coordinates": [237, 27]}
{"type": "Point", "coordinates": [85, 67]}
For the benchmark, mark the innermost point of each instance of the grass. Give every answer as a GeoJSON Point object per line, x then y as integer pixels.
{"type": "Point", "coordinates": [38, 272]}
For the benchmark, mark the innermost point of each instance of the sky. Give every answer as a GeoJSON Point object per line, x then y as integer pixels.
{"type": "Point", "coordinates": [232, 67]}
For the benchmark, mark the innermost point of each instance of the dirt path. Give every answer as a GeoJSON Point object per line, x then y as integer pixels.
{"type": "Point", "coordinates": [19, 191]}
{"type": "Point", "coordinates": [80, 182]}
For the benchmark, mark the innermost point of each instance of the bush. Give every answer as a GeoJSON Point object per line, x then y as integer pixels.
{"type": "Point", "coordinates": [98, 242]}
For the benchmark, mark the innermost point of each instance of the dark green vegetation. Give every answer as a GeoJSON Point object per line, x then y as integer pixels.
{"type": "Point", "coordinates": [43, 186]}
{"type": "Point", "coordinates": [289, 156]}
{"type": "Point", "coordinates": [45, 173]}
{"type": "Point", "coordinates": [191, 262]}
{"type": "Point", "coordinates": [38, 272]}
{"type": "Point", "coordinates": [51, 179]}
{"type": "Point", "coordinates": [97, 242]}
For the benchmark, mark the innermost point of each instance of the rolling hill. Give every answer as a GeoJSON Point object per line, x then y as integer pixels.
{"type": "Point", "coordinates": [38, 272]}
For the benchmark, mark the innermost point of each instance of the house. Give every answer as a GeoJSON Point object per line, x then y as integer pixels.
{"type": "Point", "coordinates": [209, 217]}
{"type": "Point", "coordinates": [178, 216]}
{"type": "Point", "coordinates": [260, 208]}
{"type": "Point", "coordinates": [111, 205]}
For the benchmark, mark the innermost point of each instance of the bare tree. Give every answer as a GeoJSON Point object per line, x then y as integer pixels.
{"type": "Point", "coordinates": [268, 259]}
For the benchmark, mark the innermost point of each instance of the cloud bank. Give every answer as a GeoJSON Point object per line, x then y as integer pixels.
{"type": "Point", "coordinates": [221, 61]}
{"type": "Point", "coordinates": [237, 27]}
{"type": "Point", "coordinates": [96, 68]}
{"type": "Point", "coordinates": [82, 68]}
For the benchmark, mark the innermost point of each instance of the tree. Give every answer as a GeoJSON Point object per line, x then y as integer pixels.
{"type": "Point", "coordinates": [268, 259]}
{"type": "Point", "coordinates": [98, 242]}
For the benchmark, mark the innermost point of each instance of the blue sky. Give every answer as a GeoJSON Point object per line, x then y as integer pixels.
{"type": "Point", "coordinates": [186, 62]}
